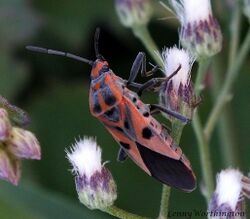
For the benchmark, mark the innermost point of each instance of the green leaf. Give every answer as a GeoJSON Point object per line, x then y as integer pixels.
{"type": "Point", "coordinates": [29, 201]}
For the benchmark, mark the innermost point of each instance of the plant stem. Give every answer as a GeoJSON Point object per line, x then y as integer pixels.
{"type": "Point", "coordinates": [224, 95]}
{"type": "Point", "coordinates": [203, 66]}
{"type": "Point", "coordinates": [177, 128]}
{"type": "Point", "coordinates": [122, 214]}
{"type": "Point", "coordinates": [142, 33]}
{"type": "Point", "coordinates": [206, 165]}
{"type": "Point", "coordinates": [226, 128]}
{"type": "Point", "coordinates": [203, 146]}
{"type": "Point", "coordinates": [234, 32]}
{"type": "Point", "coordinates": [225, 124]}
{"type": "Point", "coordinates": [165, 196]}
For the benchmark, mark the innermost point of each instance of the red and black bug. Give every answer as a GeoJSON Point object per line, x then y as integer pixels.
{"type": "Point", "coordinates": [129, 120]}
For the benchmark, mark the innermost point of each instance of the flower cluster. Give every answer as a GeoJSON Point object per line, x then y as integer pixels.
{"type": "Point", "coordinates": [228, 198]}
{"type": "Point", "coordinates": [200, 32]}
{"type": "Point", "coordinates": [15, 144]}
{"type": "Point", "coordinates": [95, 185]}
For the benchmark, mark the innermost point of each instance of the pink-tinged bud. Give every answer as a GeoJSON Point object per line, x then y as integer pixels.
{"type": "Point", "coordinates": [228, 198]}
{"type": "Point", "coordinates": [24, 144]}
{"type": "Point", "coordinates": [134, 12]}
{"type": "Point", "coordinates": [95, 185]}
{"type": "Point", "coordinates": [5, 125]}
{"type": "Point", "coordinates": [200, 31]}
{"type": "Point", "coordinates": [9, 168]}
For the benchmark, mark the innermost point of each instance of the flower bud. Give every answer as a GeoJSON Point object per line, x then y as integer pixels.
{"type": "Point", "coordinates": [228, 200]}
{"type": "Point", "coordinates": [134, 12]}
{"type": "Point", "coordinates": [95, 185]}
{"type": "Point", "coordinates": [5, 125]}
{"type": "Point", "coordinates": [177, 93]}
{"type": "Point", "coordinates": [9, 167]}
{"type": "Point", "coordinates": [200, 31]}
{"type": "Point", "coordinates": [24, 144]}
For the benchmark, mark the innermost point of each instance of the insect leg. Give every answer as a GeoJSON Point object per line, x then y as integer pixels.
{"type": "Point", "coordinates": [136, 67]}
{"type": "Point", "coordinates": [151, 84]}
{"type": "Point", "coordinates": [122, 155]}
{"type": "Point", "coordinates": [156, 108]}
{"type": "Point", "coordinates": [140, 61]}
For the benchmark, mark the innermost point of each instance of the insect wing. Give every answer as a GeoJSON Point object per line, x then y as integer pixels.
{"type": "Point", "coordinates": [17, 115]}
{"type": "Point", "coordinates": [157, 156]}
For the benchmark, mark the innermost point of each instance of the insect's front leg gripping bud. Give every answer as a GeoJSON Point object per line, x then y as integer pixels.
{"type": "Point", "coordinates": [177, 93]}
{"type": "Point", "coordinates": [5, 125]}
{"type": "Point", "coordinates": [134, 12]}
{"type": "Point", "coordinates": [9, 167]}
{"type": "Point", "coordinates": [200, 31]}
{"type": "Point", "coordinates": [228, 198]}
{"type": "Point", "coordinates": [95, 185]}
{"type": "Point", "coordinates": [24, 144]}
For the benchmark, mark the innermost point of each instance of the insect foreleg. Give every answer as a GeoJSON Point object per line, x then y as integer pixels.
{"type": "Point", "coordinates": [155, 108]}
{"type": "Point", "coordinates": [152, 84]}
{"type": "Point", "coordinates": [140, 62]}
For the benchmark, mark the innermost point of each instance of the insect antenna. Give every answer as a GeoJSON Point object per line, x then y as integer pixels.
{"type": "Point", "coordinates": [96, 44]}
{"type": "Point", "coordinates": [58, 53]}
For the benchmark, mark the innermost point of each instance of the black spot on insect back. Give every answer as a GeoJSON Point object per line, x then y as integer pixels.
{"type": "Point", "coordinates": [126, 124]}
{"type": "Point", "coordinates": [113, 114]}
{"type": "Point", "coordinates": [125, 145]}
{"type": "Point", "coordinates": [97, 108]}
{"type": "Point", "coordinates": [147, 133]}
{"type": "Point", "coordinates": [118, 129]}
{"type": "Point", "coordinates": [108, 96]}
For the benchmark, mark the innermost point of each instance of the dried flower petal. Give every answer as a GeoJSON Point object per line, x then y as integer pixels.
{"type": "Point", "coordinates": [24, 144]}
{"type": "Point", "coordinates": [9, 168]}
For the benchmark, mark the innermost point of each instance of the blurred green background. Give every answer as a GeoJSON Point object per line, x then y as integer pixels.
{"type": "Point", "coordinates": [54, 91]}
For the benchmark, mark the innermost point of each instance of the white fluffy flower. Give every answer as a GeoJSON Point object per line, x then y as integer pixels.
{"type": "Point", "coordinates": [95, 185]}
{"type": "Point", "coordinates": [228, 198]}
{"type": "Point", "coordinates": [229, 187]}
{"type": "Point", "coordinates": [200, 31]}
{"type": "Point", "coordinates": [85, 157]}
{"type": "Point", "coordinates": [192, 10]}
{"type": "Point", "coordinates": [172, 59]}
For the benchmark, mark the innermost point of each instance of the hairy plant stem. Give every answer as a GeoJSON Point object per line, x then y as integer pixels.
{"type": "Point", "coordinates": [142, 33]}
{"type": "Point", "coordinates": [225, 95]}
{"type": "Point", "coordinates": [122, 214]}
{"type": "Point", "coordinates": [176, 133]}
{"type": "Point", "coordinates": [203, 145]}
